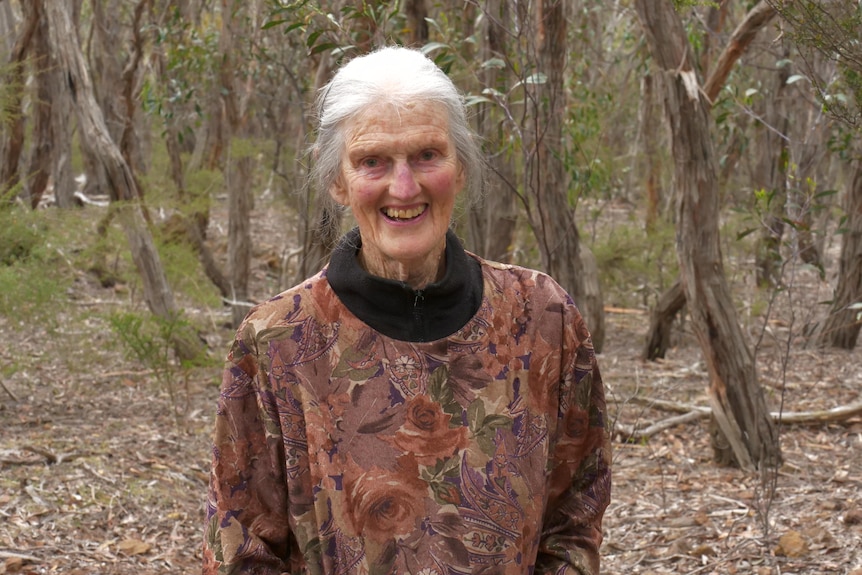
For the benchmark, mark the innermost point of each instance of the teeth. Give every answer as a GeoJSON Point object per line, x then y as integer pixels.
{"type": "Point", "coordinates": [404, 214]}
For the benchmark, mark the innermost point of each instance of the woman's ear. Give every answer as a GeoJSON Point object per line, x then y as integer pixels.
{"type": "Point", "coordinates": [338, 192]}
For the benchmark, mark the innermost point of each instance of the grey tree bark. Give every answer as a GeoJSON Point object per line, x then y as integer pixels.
{"type": "Point", "coordinates": [120, 178]}
{"type": "Point", "coordinates": [735, 395]}
{"type": "Point", "coordinates": [12, 137]}
{"type": "Point", "coordinates": [742, 36]}
{"type": "Point", "coordinates": [494, 220]}
{"type": "Point", "coordinates": [841, 328]}
{"type": "Point", "coordinates": [551, 215]}
{"type": "Point", "coordinates": [771, 177]}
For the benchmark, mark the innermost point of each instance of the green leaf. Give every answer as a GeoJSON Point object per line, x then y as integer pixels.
{"type": "Point", "coordinates": [312, 38]}
{"type": "Point", "coordinates": [494, 63]}
{"type": "Point", "coordinates": [323, 47]}
{"type": "Point", "coordinates": [293, 27]}
{"type": "Point", "coordinates": [473, 100]}
{"type": "Point", "coordinates": [433, 46]}
{"type": "Point", "coordinates": [745, 233]}
{"type": "Point", "coordinates": [273, 24]}
{"type": "Point", "coordinates": [795, 78]}
{"type": "Point", "coordinates": [537, 78]}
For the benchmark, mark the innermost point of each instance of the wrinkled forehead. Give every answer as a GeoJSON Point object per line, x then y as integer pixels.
{"type": "Point", "coordinates": [395, 115]}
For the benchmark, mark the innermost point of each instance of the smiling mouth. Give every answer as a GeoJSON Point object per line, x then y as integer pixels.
{"type": "Point", "coordinates": [404, 214]}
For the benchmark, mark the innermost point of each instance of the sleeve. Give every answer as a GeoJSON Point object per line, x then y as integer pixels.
{"type": "Point", "coordinates": [246, 530]}
{"type": "Point", "coordinates": [580, 466]}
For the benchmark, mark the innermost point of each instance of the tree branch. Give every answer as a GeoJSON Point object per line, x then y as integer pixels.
{"type": "Point", "coordinates": [744, 34]}
{"type": "Point", "coordinates": [636, 434]}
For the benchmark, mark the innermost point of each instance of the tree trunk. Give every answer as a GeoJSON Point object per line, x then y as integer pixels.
{"type": "Point", "coordinates": [320, 226]}
{"type": "Point", "coordinates": [716, 16]}
{"type": "Point", "coordinates": [40, 161]}
{"type": "Point", "coordinates": [237, 170]}
{"type": "Point", "coordinates": [770, 178]}
{"type": "Point", "coordinates": [12, 144]}
{"type": "Point", "coordinates": [742, 36]}
{"type": "Point", "coordinates": [552, 217]}
{"type": "Point", "coordinates": [661, 321]}
{"type": "Point", "coordinates": [106, 78]}
{"type": "Point", "coordinates": [735, 395]}
{"type": "Point", "coordinates": [650, 171]}
{"type": "Point", "coordinates": [841, 328]}
{"type": "Point", "coordinates": [493, 223]}
{"type": "Point", "coordinates": [808, 212]}
{"type": "Point", "coordinates": [157, 292]}
{"type": "Point", "coordinates": [62, 117]}
{"type": "Point", "coordinates": [240, 205]}
{"type": "Point", "coordinates": [416, 12]}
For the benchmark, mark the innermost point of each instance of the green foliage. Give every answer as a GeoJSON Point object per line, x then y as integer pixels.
{"type": "Point", "coordinates": [11, 88]}
{"type": "Point", "coordinates": [587, 158]}
{"type": "Point", "coordinates": [183, 270]}
{"type": "Point", "coordinates": [636, 266]}
{"type": "Point", "coordinates": [34, 267]}
{"type": "Point", "coordinates": [360, 26]}
{"type": "Point", "coordinates": [191, 61]}
{"type": "Point", "coordinates": [832, 30]}
{"type": "Point", "coordinates": [149, 340]}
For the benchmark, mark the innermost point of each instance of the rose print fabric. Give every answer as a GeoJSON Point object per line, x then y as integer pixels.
{"type": "Point", "coordinates": [338, 450]}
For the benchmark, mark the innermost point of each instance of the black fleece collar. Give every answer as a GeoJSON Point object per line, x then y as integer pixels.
{"type": "Point", "coordinates": [395, 309]}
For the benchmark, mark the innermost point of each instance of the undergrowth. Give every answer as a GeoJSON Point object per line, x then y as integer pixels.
{"type": "Point", "coordinates": [636, 265]}
{"type": "Point", "coordinates": [36, 264]}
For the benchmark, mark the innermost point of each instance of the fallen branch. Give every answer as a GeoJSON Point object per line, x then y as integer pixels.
{"type": "Point", "coordinates": [22, 556]}
{"type": "Point", "coordinates": [834, 415]}
{"type": "Point", "coordinates": [631, 434]}
{"type": "Point", "coordinates": [9, 391]}
{"type": "Point", "coordinates": [634, 434]}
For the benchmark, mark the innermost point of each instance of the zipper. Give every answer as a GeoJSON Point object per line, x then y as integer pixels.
{"type": "Point", "coordinates": [419, 313]}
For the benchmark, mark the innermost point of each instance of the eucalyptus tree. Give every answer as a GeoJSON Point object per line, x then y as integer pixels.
{"type": "Point", "coordinates": [12, 91]}
{"type": "Point", "coordinates": [120, 177]}
{"type": "Point", "coordinates": [833, 31]}
{"type": "Point", "coordinates": [737, 401]}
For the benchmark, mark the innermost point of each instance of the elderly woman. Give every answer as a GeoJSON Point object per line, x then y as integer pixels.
{"type": "Point", "coordinates": [412, 408]}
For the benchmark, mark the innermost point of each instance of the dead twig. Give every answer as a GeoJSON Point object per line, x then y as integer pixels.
{"type": "Point", "coordinates": [631, 434]}
{"type": "Point", "coordinates": [15, 555]}
{"type": "Point", "coordinates": [9, 391]}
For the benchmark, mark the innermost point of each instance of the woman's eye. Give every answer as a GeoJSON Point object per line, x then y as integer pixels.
{"type": "Point", "coordinates": [427, 155]}
{"type": "Point", "coordinates": [371, 162]}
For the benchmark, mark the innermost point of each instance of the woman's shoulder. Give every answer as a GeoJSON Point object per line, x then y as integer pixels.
{"type": "Point", "coordinates": [292, 305]}
{"type": "Point", "coordinates": [523, 280]}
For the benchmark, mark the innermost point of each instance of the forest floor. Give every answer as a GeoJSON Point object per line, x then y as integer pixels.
{"type": "Point", "coordinates": [102, 471]}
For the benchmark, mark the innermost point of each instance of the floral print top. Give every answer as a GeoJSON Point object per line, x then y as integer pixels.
{"type": "Point", "coordinates": [338, 450]}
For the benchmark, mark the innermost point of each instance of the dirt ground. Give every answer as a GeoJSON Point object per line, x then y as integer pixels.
{"type": "Point", "coordinates": [98, 474]}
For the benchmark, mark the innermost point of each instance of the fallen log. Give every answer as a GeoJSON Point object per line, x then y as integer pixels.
{"type": "Point", "coordinates": [636, 434]}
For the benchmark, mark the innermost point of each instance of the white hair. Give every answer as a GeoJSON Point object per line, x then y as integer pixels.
{"type": "Point", "coordinates": [398, 76]}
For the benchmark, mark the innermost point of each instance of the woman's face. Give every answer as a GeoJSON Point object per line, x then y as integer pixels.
{"type": "Point", "coordinates": [400, 176]}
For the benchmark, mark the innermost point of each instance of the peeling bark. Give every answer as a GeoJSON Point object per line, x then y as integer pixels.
{"type": "Point", "coordinates": [736, 397]}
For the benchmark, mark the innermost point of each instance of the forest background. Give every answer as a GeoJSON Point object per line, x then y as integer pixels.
{"type": "Point", "coordinates": [690, 172]}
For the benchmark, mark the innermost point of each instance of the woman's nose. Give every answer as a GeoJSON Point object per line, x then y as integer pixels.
{"type": "Point", "coordinates": [404, 183]}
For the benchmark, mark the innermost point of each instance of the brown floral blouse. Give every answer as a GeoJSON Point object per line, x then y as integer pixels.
{"type": "Point", "coordinates": [338, 450]}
